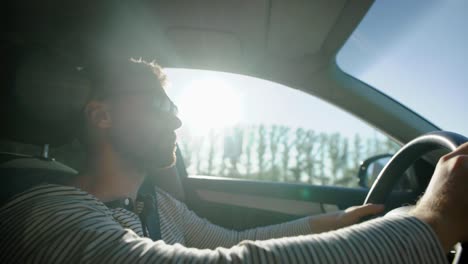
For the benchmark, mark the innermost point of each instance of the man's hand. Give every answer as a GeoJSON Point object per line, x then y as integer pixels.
{"type": "Point", "coordinates": [350, 216]}
{"type": "Point", "coordinates": [444, 206]}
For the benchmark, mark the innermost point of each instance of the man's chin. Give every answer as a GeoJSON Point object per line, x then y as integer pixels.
{"type": "Point", "coordinates": [170, 162]}
{"type": "Point", "coordinates": [161, 162]}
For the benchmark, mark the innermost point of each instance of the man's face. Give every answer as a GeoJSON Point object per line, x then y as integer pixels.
{"type": "Point", "coordinates": [143, 128]}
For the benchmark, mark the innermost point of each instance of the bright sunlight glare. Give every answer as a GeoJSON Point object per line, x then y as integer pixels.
{"type": "Point", "coordinates": [209, 104]}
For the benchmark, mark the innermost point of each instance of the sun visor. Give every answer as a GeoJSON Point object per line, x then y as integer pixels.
{"type": "Point", "coordinates": [47, 98]}
{"type": "Point", "coordinates": [206, 49]}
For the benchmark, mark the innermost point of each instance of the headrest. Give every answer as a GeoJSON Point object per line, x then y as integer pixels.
{"type": "Point", "coordinates": [47, 93]}
{"type": "Point", "coordinates": [21, 172]}
{"type": "Point", "coordinates": [50, 89]}
{"type": "Point", "coordinates": [29, 162]}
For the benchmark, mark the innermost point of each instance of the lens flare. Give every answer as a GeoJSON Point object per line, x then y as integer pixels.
{"type": "Point", "coordinates": [209, 104]}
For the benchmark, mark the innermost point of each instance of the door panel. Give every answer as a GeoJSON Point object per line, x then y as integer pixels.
{"type": "Point", "coordinates": [240, 204]}
{"type": "Point", "coordinates": [285, 206]}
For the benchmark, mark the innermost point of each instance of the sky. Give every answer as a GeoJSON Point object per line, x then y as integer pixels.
{"type": "Point", "coordinates": [414, 51]}
{"type": "Point", "coordinates": [422, 64]}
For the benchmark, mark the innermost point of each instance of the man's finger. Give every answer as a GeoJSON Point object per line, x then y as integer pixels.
{"type": "Point", "coordinates": [365, 210]}
{"type": "Point", "coordinates": [461, 150]}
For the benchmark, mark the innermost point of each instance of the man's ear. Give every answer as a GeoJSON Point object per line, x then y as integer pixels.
{"type": "Point", "coordinates": [98, 114]}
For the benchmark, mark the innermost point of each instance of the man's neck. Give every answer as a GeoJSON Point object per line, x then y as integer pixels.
{"type": "Point", "coordinates": [110, 176]}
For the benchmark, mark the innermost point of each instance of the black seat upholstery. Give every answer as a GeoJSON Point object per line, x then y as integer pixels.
{"type": "Point", "coordinates": [42, 95]}
{"type": "Point", "coordinates": [21, 172]}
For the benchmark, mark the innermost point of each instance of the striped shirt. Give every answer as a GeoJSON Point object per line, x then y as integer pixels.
{"type": "Point", "coordinates": [60, 224]}
{"type": "Point", "coordinates": [183, 226]}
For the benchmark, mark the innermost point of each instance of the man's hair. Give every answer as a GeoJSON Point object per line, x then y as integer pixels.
{"type": "Point", "coordinates": [112, 77]}
{"type": "Point", "coordinates": [155, 67]}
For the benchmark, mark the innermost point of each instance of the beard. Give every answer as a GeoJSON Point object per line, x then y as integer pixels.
{"type": "Point", "coordinates": [161, 160]}
{"type": "Point", "coordinates": [158, 159]}
{"type": "Point", "coordinates": [145, 156]}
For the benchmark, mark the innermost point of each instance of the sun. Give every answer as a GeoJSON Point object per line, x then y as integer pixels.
{"type": "Point", "coordinates": [209, 104]}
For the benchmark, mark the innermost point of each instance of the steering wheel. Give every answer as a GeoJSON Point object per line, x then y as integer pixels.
{"type": "Point", "coordinates": [406, 156]}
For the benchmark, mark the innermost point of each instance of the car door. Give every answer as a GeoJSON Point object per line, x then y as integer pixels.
{"type": "Point", "coordinates": [255, 153]}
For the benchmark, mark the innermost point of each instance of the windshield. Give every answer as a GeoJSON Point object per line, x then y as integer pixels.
{"type": "Point", "coordinates": [415, 52]}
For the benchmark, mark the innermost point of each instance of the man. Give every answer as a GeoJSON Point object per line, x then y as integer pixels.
{"type": "Point", "coordinates": [140, 136]}
{"type": "Point", "coordinates": [129, 127]}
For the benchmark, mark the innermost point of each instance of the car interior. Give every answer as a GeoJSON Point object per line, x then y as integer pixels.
{"type": "Point", "coordinates": [288, 42]}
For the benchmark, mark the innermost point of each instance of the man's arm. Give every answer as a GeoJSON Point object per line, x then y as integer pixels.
{"type": "Point", "coordinates": [397, 240]}
{"type": "Point", "coordinates": [57, 224]}
{"type": "Point", "coordinates": [80, 233]}
{"type": "Point", "coordinates": [201, 233]}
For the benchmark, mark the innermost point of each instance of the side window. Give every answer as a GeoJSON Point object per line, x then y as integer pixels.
{"type": "Point", "coordinates": [243, 127]}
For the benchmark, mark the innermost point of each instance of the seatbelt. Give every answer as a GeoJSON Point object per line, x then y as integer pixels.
{"type": "Point", "coordinates": [150, 215]}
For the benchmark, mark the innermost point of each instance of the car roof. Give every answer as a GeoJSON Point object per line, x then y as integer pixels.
{"type": "Point", "coordinates": [247, 37]}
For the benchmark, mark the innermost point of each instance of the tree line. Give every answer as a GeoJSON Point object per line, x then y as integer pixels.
{"type": "Point", "coordinates": [282, 154]}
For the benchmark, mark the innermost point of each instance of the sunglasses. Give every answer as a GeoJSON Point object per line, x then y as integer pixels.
{"type": "Point", "coordinates": [165, 105]}
{"type": "Point", "coordinates": [160, 102]}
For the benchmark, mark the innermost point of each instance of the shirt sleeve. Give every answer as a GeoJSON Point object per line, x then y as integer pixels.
{"type": "Point", "coordinates": [201, 233]}
{"type": "Point", "coordinates": [61, 228]}
{"type": "Point", "coordinates": [97, 239]}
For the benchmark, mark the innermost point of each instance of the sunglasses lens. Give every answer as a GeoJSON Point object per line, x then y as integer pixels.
{"type": "Point", "coordinates": [165, 105]}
